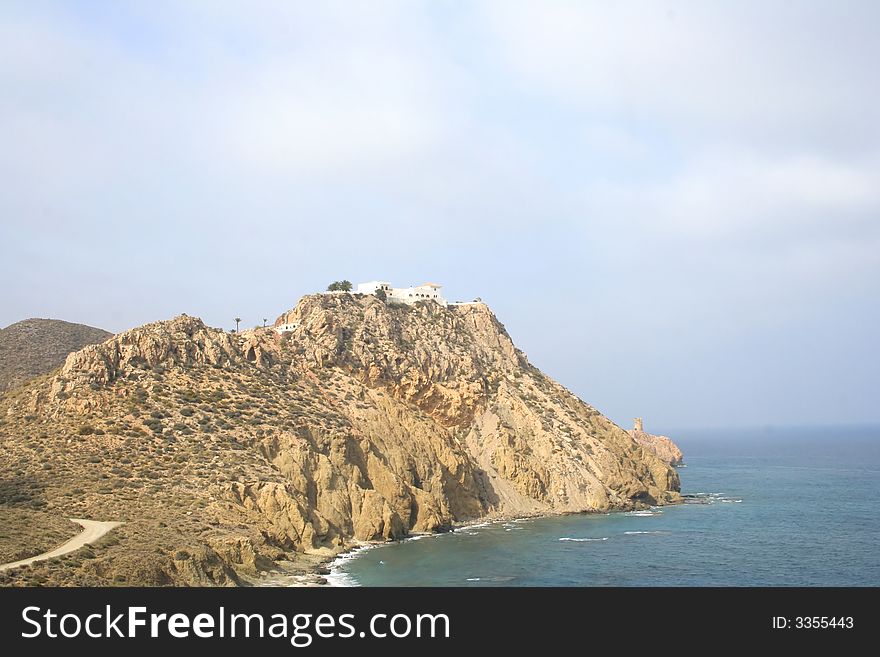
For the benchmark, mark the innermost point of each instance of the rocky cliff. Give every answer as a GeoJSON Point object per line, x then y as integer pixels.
{"type": "Point", "coordinates": [232, 454]}
{"type": "Point", "coordinates": [662, 446]}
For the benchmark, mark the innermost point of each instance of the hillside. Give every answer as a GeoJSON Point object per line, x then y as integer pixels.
{"type": "Point", "coordinates": [228, 455]}
{"type": "Point", "coordinates": [38, 346]}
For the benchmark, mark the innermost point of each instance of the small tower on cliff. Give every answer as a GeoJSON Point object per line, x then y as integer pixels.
{"type": "Point", "coordinates": [638, 425]}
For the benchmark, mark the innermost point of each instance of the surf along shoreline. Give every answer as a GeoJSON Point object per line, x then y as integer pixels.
{"type": "Point", "coordinates": [328, 571]}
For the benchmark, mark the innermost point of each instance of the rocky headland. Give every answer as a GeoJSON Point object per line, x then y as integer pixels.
{"type": "Point", "coordinates": [232, 457]}
{"type": "Point", "coordinates": [662, 446]}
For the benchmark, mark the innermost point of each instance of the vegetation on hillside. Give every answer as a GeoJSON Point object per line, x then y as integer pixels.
{"type": "Point", "coordinates": [38, 346]}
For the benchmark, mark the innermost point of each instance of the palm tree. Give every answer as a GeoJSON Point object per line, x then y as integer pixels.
{"type": "Point", "coordinates": [237, 322]}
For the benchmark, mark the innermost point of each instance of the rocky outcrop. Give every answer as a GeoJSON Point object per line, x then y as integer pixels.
{"type": "Point", "coordinates": [662, 446]}
{"type": "Point", "coordinates": [205, 567]}
{"type": "Point", "coordinates": [181, 341]}
{"type": "Point", "coordinates": [366, 421]}
{"type": "Point", "coordinates": [529, 444]}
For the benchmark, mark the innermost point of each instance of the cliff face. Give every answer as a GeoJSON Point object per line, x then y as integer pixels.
{"type": "Point", "coordinates": [228, 452]}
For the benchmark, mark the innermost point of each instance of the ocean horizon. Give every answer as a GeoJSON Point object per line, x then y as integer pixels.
{"type": "Point", "coordinates": [764, 507]}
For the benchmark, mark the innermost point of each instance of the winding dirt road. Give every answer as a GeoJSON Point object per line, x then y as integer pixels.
{"type": "Point", "coordinates": [92, 531]}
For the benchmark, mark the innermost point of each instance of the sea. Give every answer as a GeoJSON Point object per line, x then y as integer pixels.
{"type": "Point", "coordinates": [764, 507]}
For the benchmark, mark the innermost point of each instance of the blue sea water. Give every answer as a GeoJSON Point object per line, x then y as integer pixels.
{"type": "Point", "coordinates": [774, 507]}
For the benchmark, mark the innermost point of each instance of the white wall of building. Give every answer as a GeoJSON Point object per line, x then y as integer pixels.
{"type": "Point", "coordinates": [372, 286]}
{"type": "Point", "coordinates": [418, 293]}
{"type": "Point", "coordinates": [409, 295]}
{"type": "Point", "coordinates": [281, 328]}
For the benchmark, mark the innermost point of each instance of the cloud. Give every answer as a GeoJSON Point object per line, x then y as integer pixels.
{"type": "Point", "coordinates": [86, 105]}
{"type": "Point", "coordinates": [768, 71]}
{"type": "Point", "coordinates": [730, 198]}
{"type": "Point", "coordinates": [690, 169]}
{"type": "Point", "coordinates": [294, 122]}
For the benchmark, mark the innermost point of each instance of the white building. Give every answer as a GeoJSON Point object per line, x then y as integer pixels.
{"type": "Point", "coordinates": [372, 286]}
{"type": "Point", "coordinates": [283, 328]}
{"type": "Point", "coordinates": [410, 295]}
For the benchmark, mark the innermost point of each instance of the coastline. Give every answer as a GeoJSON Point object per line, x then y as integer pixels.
{"type": "Point", "coordinates": [327, 572]}
{"type": "Point", "coordinates": [321, 572]}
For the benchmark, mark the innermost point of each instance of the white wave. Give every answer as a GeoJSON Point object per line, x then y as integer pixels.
{"type": "Point", "coordinates": [473, 579]}
{"type": "Point", "coordinates": [582, 540]}
{"type": "Point", "coordinates": [651, 532]}
{"type": "Point", "coordinates": [643, 514]}
{"type": "Point", "coordinates": [711, 498]}
{"type": "Point", "coordinates": [474, 527]}
{"type": "Point", "coordinates": [340, 578]}
{"type": "Point", "coordinates": [337, 576]}
{"type": "Point", "coordinates": [354, 553]}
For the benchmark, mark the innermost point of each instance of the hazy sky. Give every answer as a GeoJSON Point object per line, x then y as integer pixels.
{"type": "Point", "coordinates": [674, 207]}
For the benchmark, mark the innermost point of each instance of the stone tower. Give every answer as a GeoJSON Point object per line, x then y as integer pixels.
{"type": "Point", "coordinates": [638, 425]}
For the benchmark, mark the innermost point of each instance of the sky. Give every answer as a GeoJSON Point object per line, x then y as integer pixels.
{"type": "Point", "coordinates": [673, 207]}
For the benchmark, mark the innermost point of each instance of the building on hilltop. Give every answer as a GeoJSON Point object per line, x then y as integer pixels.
{"type": "Point", "coordinates": [284, 328]}
{"type": "Point", "coordinates": [373, 286]}
{"type": "Point", "coordinates": [409, 295]}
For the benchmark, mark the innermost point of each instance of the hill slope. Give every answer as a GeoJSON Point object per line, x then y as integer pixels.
{"type": "Point", "coordinates": [38, 346]}
{"type": "Point", "coordinates": [230, 454]}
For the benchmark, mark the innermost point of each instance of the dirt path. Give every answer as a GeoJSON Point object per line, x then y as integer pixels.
{"type": "Point", "coordinates": [92, 531]}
